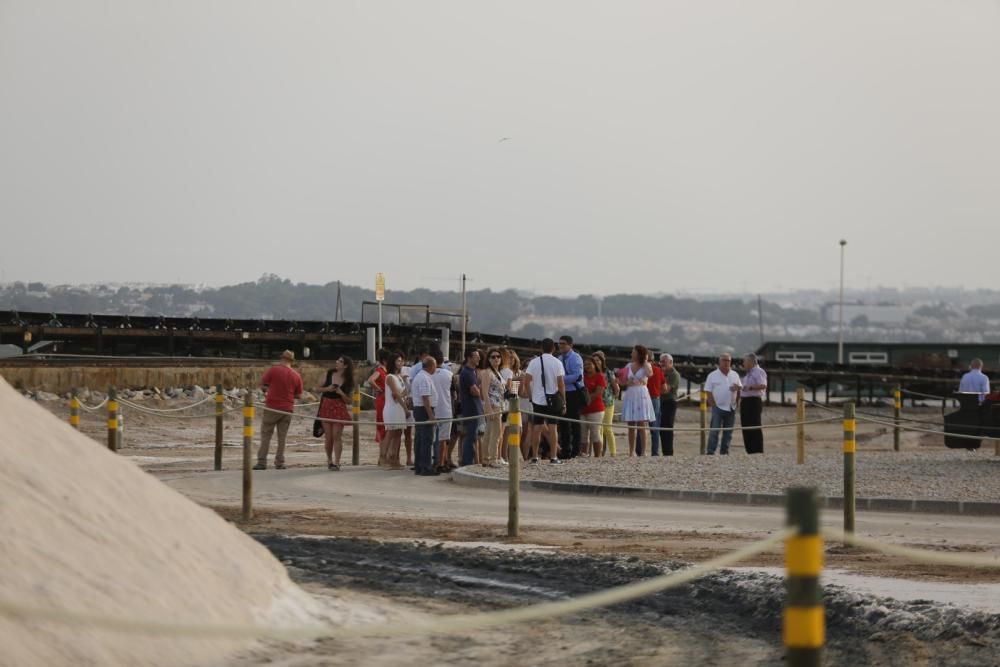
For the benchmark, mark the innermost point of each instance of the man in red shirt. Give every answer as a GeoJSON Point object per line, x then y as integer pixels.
{"type": "Point", "coordinates": [655, 387]}
{"type": "Point", "coordinates": [283, 386]}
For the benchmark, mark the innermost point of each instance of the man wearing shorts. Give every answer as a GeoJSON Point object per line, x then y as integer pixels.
{"type": "Point", "coordinates": [544, 375]}
{"type": "Point", "coordinates": [442, 379]}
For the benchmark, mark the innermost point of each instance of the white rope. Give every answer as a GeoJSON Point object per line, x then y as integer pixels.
{"type": "Point", "coordinates": [918, 555]}
{"type": "Point", "coordinates": [450, 624]}
{"type": "Point", "coordinates": [210, 397]}
{"type": "Point", "coordinates": [89, 408]}
{"type": "Point", "coordinates": [904, 427]}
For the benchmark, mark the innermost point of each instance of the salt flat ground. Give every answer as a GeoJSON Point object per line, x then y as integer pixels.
{"type": "Point", "coordinates": [364, 510]}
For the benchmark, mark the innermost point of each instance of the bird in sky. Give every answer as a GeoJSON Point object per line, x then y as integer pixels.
{"type": "Point", "coordinates": [503, 139]}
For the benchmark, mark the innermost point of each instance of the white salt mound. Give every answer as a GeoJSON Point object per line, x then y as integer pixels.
{"type": "Point", "coordinates": [86, 530]}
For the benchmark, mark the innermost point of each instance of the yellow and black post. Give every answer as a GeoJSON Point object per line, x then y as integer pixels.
{"type": "Point", "coordinates": [355, 432]}
{"type": "Point", "coordinates": [800, 428]}
{"type": "Point", "coordinates": [219, 409]}
{"type": "Point", "coordinates": [850, 447]}
{"type": "Point", "coordinates": [703, 407]}
{"type": "Point", "coordinates": [74, 410]}
{"type": "Point", "coordinates": [897, 395]}
{"type": "Point", "coordinates": [514, 467]}
{"type": "Point", "coordinates": [804, 624]}
{"type": "Point", "coordinates": [248, 413]}
{"type": "Point", "coordinates": [112, 419]}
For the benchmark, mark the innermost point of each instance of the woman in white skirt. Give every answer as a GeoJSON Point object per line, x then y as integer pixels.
{"type": "Point", "coordinates": [395, 414]}
{"type": "Point", "coordinates": [637, 406]}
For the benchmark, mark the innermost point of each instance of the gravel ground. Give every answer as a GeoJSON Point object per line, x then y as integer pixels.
{"type": "Point", "coordinates": [937, 474]}
{"type": "Point", "coordinates": [725, 617]}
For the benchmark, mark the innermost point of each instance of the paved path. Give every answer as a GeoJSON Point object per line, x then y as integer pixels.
{"type": "Point", "coordinates": [367, 489]}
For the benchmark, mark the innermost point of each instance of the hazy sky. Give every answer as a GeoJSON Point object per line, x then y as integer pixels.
{"type": "Point", "coordinates": [653, 146]}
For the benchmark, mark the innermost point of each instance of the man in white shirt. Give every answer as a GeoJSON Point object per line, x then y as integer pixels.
{"type": "Point", "coordinates": [544, 378]}
{"type": "Point", "coordinates": [722, 386]}
{"type": "Point", "coordinates": [424, 402]}
{"type": "Point", "coordinates": [442, 379]}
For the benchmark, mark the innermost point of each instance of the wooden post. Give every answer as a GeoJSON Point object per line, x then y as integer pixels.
{"type": "Point", "coordinates": [800, 429]}
{"type": "Point", "coordinates": [112, 419]}
{"type": "Point", "coordinates": [850, 447]}
{"type": "Point", "coordinates": [897, 396]}
{"type": "Point", "coordinates": [783, 390]}
{"type": "Point", "coordinates": [804, 624]}
{"type": "Point", "coordinates": [703, 407]}
{"type": "Point", "coordinates": [219, 398]}
{"type": "Point", "coordinates": [247, 456]}
{"type": "Point", "coordinates": [514, 467]}
{"type": "Point", "coordinates": [74, 411]}
{"type": "Point", "coordinates": [355, 432]}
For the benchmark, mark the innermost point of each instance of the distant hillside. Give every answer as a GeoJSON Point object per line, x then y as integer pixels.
{"type": "Point", "coordinates": [684, 324]}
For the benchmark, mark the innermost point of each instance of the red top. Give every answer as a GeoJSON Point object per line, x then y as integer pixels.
{"type": "Point", "coordinates": [379, 382]}
{"type": "Point", "coordinates": [655, 381]}
{"type": "Point", "coordinates": [591, 383]}
{"type": "Point", "coordinates": [283, 386]}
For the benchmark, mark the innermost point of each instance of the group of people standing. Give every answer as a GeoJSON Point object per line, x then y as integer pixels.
{"type": "Point", "coordinates": [569, 406]}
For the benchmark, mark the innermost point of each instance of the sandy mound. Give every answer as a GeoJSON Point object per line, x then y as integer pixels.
{"type": "Point", "coordinates": [85, 529]}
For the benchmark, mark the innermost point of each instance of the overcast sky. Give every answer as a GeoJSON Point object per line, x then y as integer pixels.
{"type": "Point", "coordinates": [565, 147]}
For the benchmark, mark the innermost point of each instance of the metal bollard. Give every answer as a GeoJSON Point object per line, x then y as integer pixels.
{"type": "Point", "coordinates": [898, 397]}
{"type": "Point", "coordinates": [248, 413]}
{"type": "Point", "coordinates": [219, 398]}
{"type": "Point", "coordinates": [514, 467]}
{"type": "Point", "coordinates": [355, 431]}
{"type": "Point", "coordinates": [703, 407]}
{"type": "Point", "coordinates": [800, 428]}
{"type": "Point", "coordinates": [120, 431]}
{"type": "Point", "coordinates": [112, 419]}
{"type": "Point", "coordinates": [74, 411]}
{"type": "Point", "coordinates": [850, 447]}
{"type": "Point", "coordinates": [804, 630]}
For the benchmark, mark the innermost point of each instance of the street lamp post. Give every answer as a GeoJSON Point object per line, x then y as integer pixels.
{"type": "Point", "coordinates": [840, 317]}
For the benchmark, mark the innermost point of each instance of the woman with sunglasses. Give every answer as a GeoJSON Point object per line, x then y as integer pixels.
{"type": "Point", "coordinates": [337, 389]}
{"type": "Point", "coordinates": [491, 386]}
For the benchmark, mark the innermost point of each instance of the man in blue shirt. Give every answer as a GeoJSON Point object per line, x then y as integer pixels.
{"type": "Point", "coordinates": [974, 382]}
{"type": "Point", "coordinates": [576, 397]}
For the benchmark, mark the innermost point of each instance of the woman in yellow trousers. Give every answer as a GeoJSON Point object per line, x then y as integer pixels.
{"type": "Point", "coordinates": [610, 394]}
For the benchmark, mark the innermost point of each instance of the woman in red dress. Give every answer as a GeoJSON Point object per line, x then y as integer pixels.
{"type": "Point", "coordinates": [336, 391]}
{"type": "Point", "coordinates": [377, 381]}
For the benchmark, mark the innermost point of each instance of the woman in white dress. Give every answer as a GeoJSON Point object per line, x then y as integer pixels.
{"type": "Point", "coordinates": [637, 406]}
{"type": "Point", "coordinates": [395, 412]}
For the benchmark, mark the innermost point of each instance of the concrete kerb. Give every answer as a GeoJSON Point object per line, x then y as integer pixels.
{"type": "Point", "coordinates": [465, 477]}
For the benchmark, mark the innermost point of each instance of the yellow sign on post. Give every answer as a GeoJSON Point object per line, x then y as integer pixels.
{"type": "Point", "coordinates": [380, 297]}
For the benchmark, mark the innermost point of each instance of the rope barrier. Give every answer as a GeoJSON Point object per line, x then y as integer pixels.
{"type": "Point", "coordinates": [917, 393]}
{"type": "Point", "coordinates": [924, 430]}
{"type": "Point", "coordinates": [92, 409]}
{"type": "Point", "coordinates": [210, 397]}
{"type": "Point", "coordinates": [447, 420]}
{"type": "Point", "coordinates": [918, 555]}
{"type": "Point", "coordinates": [450, 624]}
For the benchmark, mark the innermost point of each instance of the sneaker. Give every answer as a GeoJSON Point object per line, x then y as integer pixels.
{"type": "Point", "coordinates": [260, 466]}
{"type": "Point", "coordinates": [503, 462]}
{"type": "Point", "coordinates": [280, 466]}
{"type": "Point", "coordinates": [556, 461]}
{"type": "Point", "coordinates": [534, 460]}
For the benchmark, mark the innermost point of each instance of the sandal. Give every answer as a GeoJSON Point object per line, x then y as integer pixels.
{"type": "Point", "coordinates": [332, 466]}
